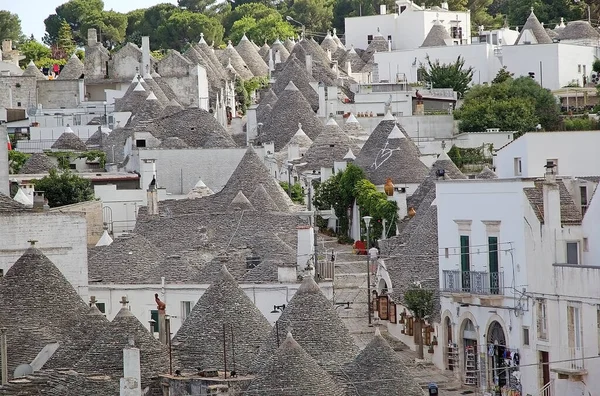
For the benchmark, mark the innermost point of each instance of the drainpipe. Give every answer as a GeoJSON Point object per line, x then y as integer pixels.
{"type": "Point", "coordinates": [4, 357]}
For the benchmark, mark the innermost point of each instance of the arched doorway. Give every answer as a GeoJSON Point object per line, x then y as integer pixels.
{"type": "Point", "coordinates": [452, 348]}
{"type": "Point", "coordinates": [497, 352]}
{"type": "Point", "coordinates": [469, 341]}
{"type": "Point", "coordinates": [382, 287]}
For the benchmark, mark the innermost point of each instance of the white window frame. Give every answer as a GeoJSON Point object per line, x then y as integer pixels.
{"type": "Point", "coordinates": [542, 313]}
{"type": "Point", "coordinates": [567, 243]}
{"type": "Point", "coordinates": [184, 314]}
{"type": "Point", "coordinates": [518, 166]}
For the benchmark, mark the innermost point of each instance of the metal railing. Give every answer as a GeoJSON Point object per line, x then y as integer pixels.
{"type": "Point", "coordinates": [474, 282]}
{"type": "Point", "coordinates": [547, 389]}
{"type": "Point", "coordinates": [571, 358]}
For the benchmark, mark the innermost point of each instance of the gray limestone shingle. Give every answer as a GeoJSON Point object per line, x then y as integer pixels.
{"type": "Point", "coordinates": [378, 370]}
{"type": "Point", "coordinates": [230, 56]}
{"type": "Point", "coordinates": [156, 89]}
{"type": "Point", "coordinates": [486, 173]}
{"type": "Point", "coordinates": [295, 72]}
{"type": "Point", "coordinates": [579, 30]}
{"type": "Point", "coordinates": [378, 44]}
{"type": "Point", "coordinates": [106, 355]}
{"type": "Point", "coordinates": [250, 55]}
{"type": "Point", "coordinates": [9, 205]}
{"type": "Point", "coordinates": [569, 212]}
{"type": "Point", "coordinates": [293, 372]}
{"type": "Point", "coordinates": [73, 69]}
{"type": "Point", "coordinates": [223, 307]}
{"type": "Point", "coordinates": [291, 109]}
{"type": "Point", "coordinates": [356, 63]}
{"type": "Point", "coordinates": [316, 327]}
{"type": "Point", "coordinates": [98, 138]}
{"type": "Point", "coordinates": [289, 44]}
{"type": "Point", "coordinates": [262, 201]}
{"type": "Point", "coordinates": [173, 143]}
{"type": "Point", "coordinates": [69, 141]}
{"type": "Point", "coordinates": [38, 163]}
{"type": "Point", "coordinates": [390, 153]}
{"type": "Point", "coordinates": [534, 26]}
{"type": "Point", "coordinates": [329, 43]}
{"type": "Point", "coordinates": [264, 50]}
{"type": "Point", "coordinates": [278, 46]}
{"type": "Point", "coordinates": [196, 127]}
{"type": "Point", "coordinates": [209, 54]}
{"type": "Point", "coordinates": [33, 71]}
{"type": "Point", "coordinates": [331, 145]}
{"type": "Point", "coordinates": [132, 100]}
{"type": "Point", "coordinates": [437, 36]}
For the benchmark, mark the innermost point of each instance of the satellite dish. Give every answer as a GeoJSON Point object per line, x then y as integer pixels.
{"type": "Point", "coordinates": [22, 370]}
{"type": "Point", "coordinates": [31, 111]}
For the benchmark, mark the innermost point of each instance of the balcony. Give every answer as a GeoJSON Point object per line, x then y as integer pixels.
{"type": "Point", "coordinates": [474, 282]}
{"type": "Point", "coordinates": [571, 361]}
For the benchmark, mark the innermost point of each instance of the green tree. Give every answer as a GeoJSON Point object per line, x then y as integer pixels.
{"type": "Point", "coordinates": [419, 302]}
{"type": "Point", "coordinates": [184, 27]}
{"type": "Point", "coordinates": [297, 194]}
{"type": "Point", "coordinates": [200, 6]}
{"type": "Point", "coordinates": [75, 13]}
{"type": "Point", "coordinates": [268, 28]}
{"type": "Point", "coordinates": [316, 15]}
{"type": "Point", "coordinates": [353, 8]}
{"type": "Point", "coordinates": [16, 160]}
{"type": "Point", "coordinates": [111, 25]}
{"type": "Point", "coordinates": [65, 43]}
{"type": "Point", "coordinates": [33, 51]}
{"type": "Point", "coordinates": [257, 11]}
{"type": "Point", "coordinates": [502, 76]}
{"type": "Point", "coordinates": [547, 11]}
{"type": "Point", "coordinates": [452, 75]}
{"type": "Point", "coordinates": [10, 26]}
{"type": "Point", "coordinates": [64, 188]}
{"type": "Point", "coordinates": [515, 104]}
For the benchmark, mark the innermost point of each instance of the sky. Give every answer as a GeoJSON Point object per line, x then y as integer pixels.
{"type": "Point", "coordinates": [33, 12]}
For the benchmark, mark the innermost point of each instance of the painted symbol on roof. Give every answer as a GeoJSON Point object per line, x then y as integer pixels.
{"type": "Point", "coordinates": [384, 154]}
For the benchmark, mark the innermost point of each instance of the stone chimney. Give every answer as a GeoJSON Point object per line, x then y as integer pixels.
{"type": "Point", "coordinates": [309, 64]}
{"type": "Point", "coordinates": [293, 151]}
{"type": "Point", "coordinates": [39, 202]}
{"type": "Point", "coordinates": [131, 383]}
{"type": "Point", "coordinates": [277, 57]}
{"type": "Point", "coordinates": [551, 195]}
{"type": "Point", "coordinates": [444, 5]}
{"type": "Point", "coordinates": [348, 67]}
{"type": "Point", "coordinates": [145, 56]}
{"type": "Point", "coordinates": [305, 246]}
{"type": "Point", "coordinates": [92, 37]}
{"type": "Point", "coordinates": [329, 54]}
{"type": "Point", "coordinates": [382, 9]}
{"type": "Point", "coordinates": [6, 45]}
{"type": "Point", "coordinates": [286, 273]}
{"type": "Point", "coordinates": [152, 197]}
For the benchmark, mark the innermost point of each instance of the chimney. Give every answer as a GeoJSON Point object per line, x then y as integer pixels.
{"type": "Point", "coordinates": [321, 91]}
{"type": "Point", "coordinates": [348, 67]}
{"type": "Point", "coordinates": [6, 45]}
{"type": "Point", "coordinates": [131, 383]}
{"type": "Point", "coordinates": [551, 194]}
{"type": "Point", "coordinates": [309, 64]}
{"type": "Point", "coordinates": [382, 9]}
{"type": "Point", "coordinates": [251, 124]}
{"type": "Point", "coordinates": [305, 246]}
{"type": "Point", "coordinates": [147, 172]}
{"type": "Point", "coordinates": [286, 273]}
{"type": "Point", "coordinates": [329, 54]}
{"type": "Point", "coordinates": [39, 202]}
{"type": "Point", "coordinates": [152, 197]}
{"type": "Point", "coordinates": [145, 55]}
{"type": "Point", "coordinates": [444, 5]}
{"type": "Point", "coordinates": [92, 37]}
{"type": "Point", "coordinates": [277, 57]}
{"type": "Point", "coordinates": [335, 69]}
{"type": "Point", "coordinates": [293, 151]}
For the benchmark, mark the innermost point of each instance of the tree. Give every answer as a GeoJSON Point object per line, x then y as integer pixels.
{"type": "Point", "coordinates": [315, 15]}
{"type": "Point", "coordinates": [10, 26]}
{"type": "Point", "coordinates": [419, 302]}
{"type": "Point", "coordinates": [112, 26]}
{"type": "Point", "coordinates": [297, 194]}
{"type": "Point", "coordinates": [33, 51]}
{"type": "Point", "coordinates": [513, 105]}
{"type": "Point", "coordinates": [502, 75]}
{"type": "Point", "coordinates": [184, 27]}
{"type": "Point", "coordinates": [267, 29]}
{"type": "Point", "coordinates": [547, 11]}
{"type": "Point", "coordinates": [64, 188]}
{"type": "Point", "coordinates": [16, 160]}
{"type": "Point", "coordinates": [75, 13]}
{"type": "Point", "coordinates": [353, 8]}
{"type": "Point", "coordinates": [257, 11]}
{"type": "Point", "coordinates": [452, 75]}
{"type": "Point", "coordinates": [65, 44]}
{"type": "Point", "coordinates": [200, 6]}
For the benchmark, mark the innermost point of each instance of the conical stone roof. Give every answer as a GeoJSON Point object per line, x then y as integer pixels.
{"type": "Point", "coordinates": [356, 63]}
{"type": "Point", "coordinates": [198, 57]}
{"type": "Point", "coordinates": [284, 51]}
{"type": "Point", "coordinates": [212, 57]}
{"type": "Point", "coordinates": [291, 109]}
{"type": "Point", "coordinates": [172, 108]}
{"type": "Point", "coordinates": [250, 55]}
{"type": "Point", "coordinates": [37, 163]}
{"type": "Point", "coordinates": [72, 70]}
{"type": "Point", "coordinates": [578, 30]}
{"type": "Point", "coordinates": [289, 44]}
{"type": "Point", "coordinates": [25, 290]}
{"type": "Point", "coordinates": [98, 138]}
{"type": "Point", "coordinates": [199, 341]}
{"type": "Point", "coordinates": [150, 109]}
{"type": "Point", "coordinates": [173, 142]}
{"type": "Point", "coordinates": [450, 170]}
{"type": "Point", "coordinates": [378, 44]}
{"type": "Point", "coordinates": [264, 50]}
{"type": "Point", "coordinates": [293, 372]}
{"type": "Point", "coordinates": [132, 100]}
{"type": "Point", "coordinates": [389, 153]}
{"type": "Point", "coordinates": [310, 313]}
{"type": "Point", "coordinates": [262, 201]}
{"type": "Point", "coordinates": [294, 71]}
{"type": "Point", "coordinates": [331, 145]}
{"type": "Point", "coordinates": [33, 71]}
{"type": "Point", "coordinates": [249, 173]}
{"type": "Point", "coordinates": [230, 56]}
{"type": "Point", "coordinates": [356, 132]}
{"type": "Point", "coordinates": [536, 32]}
{"type": "Point", "coordinates": [200, 190]}
{"type": "Point", "coordinates": [69, 141]}
{"type": "Point", "coordinates": [437, 36]}
{"type": "Point", "coordinates": [106, 355]}
{"type": "Point", "coordinates": [329, 43]}
{"type": "Point", "coordinates": [378, 370]}
{"type": "Point", "coordinates": [105, 239]}
{"type": "Point", "coordinates": [156, 89]}
{"type": "Point", "coordinates": [240, 202]}
{"type": "Point", "coordinates": [486, 173]}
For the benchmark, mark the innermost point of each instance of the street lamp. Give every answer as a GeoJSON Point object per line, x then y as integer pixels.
{"type": "Point", "coordinates": [290, 166]}
{"type": "Point", "coordinates": [290, 19]}
{"type": "Point", "coordinates": [367, 220]}
{"type": "Point", "coordinates": [588, 9]}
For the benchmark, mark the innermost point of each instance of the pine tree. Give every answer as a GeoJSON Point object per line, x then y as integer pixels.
{"type": "Point", "coordinates": [65, 41]}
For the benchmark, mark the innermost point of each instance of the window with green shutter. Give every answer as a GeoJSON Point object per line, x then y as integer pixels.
{"type": "Point", "coordinates": [465, 262]}
{"type": "Point", "coordinates": [493, 264]}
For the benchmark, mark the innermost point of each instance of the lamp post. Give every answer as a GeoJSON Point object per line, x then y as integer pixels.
{"type": "Point", "coordinates": [105, 119]}
{"type": "Point", "coordinates": [367, 220]}
{"type": "Point", "coordinates": [290, 167]}
{"type": "Point", "coordinates": [588, 9]}
{"type": "Point", "coordinates": [290, 19]}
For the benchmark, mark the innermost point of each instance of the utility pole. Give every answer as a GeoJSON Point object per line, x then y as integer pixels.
{"type": "Point", "coordinates": [367, 220]}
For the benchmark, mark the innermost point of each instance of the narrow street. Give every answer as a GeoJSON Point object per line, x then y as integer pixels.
{"type": "Point", "coordinates": [350, 286]}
